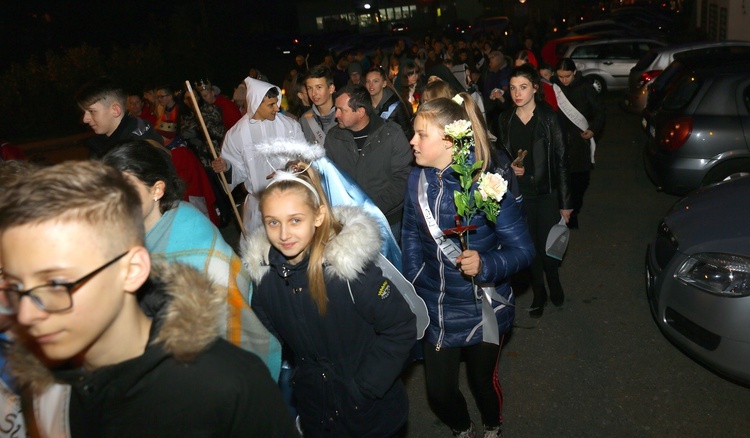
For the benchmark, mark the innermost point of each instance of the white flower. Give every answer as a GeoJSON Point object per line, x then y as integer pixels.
{"type": "Point", "coordinates": [492, 185]}
{"type": "Point", "coordinates": [459, 129]}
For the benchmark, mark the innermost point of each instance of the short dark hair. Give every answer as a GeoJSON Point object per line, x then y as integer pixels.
{"type": "Point", "coordinates": [320, 71]}
{"type": "Point", "coordinates": [101, 89]}
{"type": "Point", "coordinates": [149, 164]}
{"type": "Point", "coordinates": [272, 93]}
{"type": "Point", "coordinates": [358, 97]}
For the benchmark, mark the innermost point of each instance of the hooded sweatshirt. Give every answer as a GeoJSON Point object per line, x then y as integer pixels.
{"type": "Point", "coordinates": [239, 148]}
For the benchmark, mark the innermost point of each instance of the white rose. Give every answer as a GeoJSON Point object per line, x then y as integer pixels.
{"type": "Point", "coordinates": [459, 129]}
{"type": "Point", "coordinates": [492, 185]}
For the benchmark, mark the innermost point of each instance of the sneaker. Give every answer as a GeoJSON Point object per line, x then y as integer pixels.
{"type": "Point", "coordinates": [493, 432]}
{"type": "Point", "coordinates": [468, 433]}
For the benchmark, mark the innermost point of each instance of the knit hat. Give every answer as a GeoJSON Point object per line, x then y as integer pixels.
{"type": "Point", "coordinates": [354, 67]}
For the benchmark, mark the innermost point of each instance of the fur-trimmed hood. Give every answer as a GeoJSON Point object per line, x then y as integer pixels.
{"type": "Point", "coordinates": [345, 256]}
{"type": "Point", "coordinates": [184, 305]}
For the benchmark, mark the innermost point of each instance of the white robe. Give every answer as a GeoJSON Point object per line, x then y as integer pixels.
{"type": "Point", "coordinates": [239, 151]}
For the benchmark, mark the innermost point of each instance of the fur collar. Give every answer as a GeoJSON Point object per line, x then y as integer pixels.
{"type": "Point", "coordinates": [188, 320]}
{"type": "Point", "coordinates": [345, 256]}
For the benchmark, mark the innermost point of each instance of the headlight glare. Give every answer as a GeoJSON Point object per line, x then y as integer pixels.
{"type": "Point", "coordinates": [716, 273]}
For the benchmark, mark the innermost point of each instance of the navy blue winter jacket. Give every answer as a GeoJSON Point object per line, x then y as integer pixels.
{"type": "Point", "coordinates": [504, 247]}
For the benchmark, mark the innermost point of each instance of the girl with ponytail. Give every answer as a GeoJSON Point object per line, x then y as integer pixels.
{"type": "Point", "coordinates": [466, 289]}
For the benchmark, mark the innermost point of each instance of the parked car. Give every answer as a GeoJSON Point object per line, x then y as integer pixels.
{"type": "Point", "coordinates": [491, 24]}
{"type": "Point", "coordinates": [399, 27]}
{"type": "Point", "coordinates": [699, 133]}
{"type": "Point", "coordinates": [698, 277]}
{"type": "Point", "coordinates": [608, 61]}
{"type": "Point", "coordinates": [656, 60]}
{"type": "Point", "coordinates": [554, 50]}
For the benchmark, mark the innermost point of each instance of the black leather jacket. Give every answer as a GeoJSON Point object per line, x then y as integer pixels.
{"type": "Point", "coordinates": [550, 170]}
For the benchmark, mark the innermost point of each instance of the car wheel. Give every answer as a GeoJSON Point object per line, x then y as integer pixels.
{"type": "Point", "coordinates": [729, 170]}
{"type": "Point", "coordinates": [599, 85]}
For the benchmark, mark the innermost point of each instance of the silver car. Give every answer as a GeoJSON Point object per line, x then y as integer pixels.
{"type": "Point", "coordinates": [655, 61]}
{"type": "Point", "coordinates": [608, 61]}
{"type": "Point", "coordinates": [698, 131]}
{"type": "Point", "coordinates": [698, 277]}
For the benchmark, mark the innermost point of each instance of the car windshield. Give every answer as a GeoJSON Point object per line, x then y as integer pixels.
{"type": "Point", "coordinates": [644, 62]}
{"type": "Point", "coordinates": [682, 93]}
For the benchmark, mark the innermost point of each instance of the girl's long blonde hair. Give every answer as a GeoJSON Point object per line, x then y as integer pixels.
{"type": "Point", "coordinates": [443, 111]}
{"type": "Point", "coordinates": [329, 229]}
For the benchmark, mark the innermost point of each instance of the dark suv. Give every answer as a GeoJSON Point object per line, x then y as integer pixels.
{"type": "Point", "coordinates": [698, 124]}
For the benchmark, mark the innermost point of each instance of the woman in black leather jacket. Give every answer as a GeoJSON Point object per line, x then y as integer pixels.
{"type": "Point", "coordinates": [531, 125]}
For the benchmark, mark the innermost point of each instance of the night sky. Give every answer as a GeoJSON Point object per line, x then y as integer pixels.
{"type": "Point", "coordinates": [35, 26]}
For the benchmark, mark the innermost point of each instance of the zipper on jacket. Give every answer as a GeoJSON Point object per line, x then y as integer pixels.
{"type": "Point", "coordinates": [439, 342]}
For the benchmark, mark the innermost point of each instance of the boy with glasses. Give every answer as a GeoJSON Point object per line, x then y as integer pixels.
{"type": "Point", "coordinates": [110, 345]}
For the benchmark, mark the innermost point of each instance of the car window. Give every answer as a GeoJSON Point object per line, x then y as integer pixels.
{"type": "Point", "coordinates": [645, 61]}
{"type": "Point", "coordinates": [682, 93]}
{"type": "Point", "coordinates": [746, 98]}
{"type": "Point", "coordinates": [720, 50]}
{"type": "Point", "coordinates": [587, 52]}
{"type": "Point", "coordinates": [643, 48]}
{"type": "Point", "coordinates": [620, 51]}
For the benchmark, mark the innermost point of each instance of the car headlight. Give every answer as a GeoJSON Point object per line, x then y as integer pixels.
{"type": "Point", "coordinates": [716, 273]}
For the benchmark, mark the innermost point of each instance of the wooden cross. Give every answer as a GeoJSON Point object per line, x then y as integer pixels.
{"type": "Point", "coordinates": [459, 230]}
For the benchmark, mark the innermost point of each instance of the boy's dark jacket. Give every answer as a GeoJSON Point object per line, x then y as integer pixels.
{"type": "Point", "coordinates": [349, 360]}
{"type": "Point", "coordinates": [188, 382]}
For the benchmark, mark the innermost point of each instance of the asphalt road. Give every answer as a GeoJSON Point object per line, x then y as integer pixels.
{"type": "Point", "coordinates": [599, 366]}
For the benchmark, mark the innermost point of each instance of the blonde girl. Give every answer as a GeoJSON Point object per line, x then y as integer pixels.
{"type": "Point", "coordinates": [319, 291]}
{"type": "Point", "coordinates": [465, 321]}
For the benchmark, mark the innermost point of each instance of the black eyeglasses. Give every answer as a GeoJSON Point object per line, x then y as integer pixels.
{"type": "Point", "coordinates": [51, 297]}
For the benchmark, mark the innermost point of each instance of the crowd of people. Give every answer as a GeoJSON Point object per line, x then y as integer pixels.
{"type": "Point", "coordinates": [353, 233]}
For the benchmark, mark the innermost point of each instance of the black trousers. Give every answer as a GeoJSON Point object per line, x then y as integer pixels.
{"type": "Point", "coordinates": [579, 182]}
{"type": "Point", "coordinates": [542, 213]}
{"type": "Point", "coordinates": [441, 375]}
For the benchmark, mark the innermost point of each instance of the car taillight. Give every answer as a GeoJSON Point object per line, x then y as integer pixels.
{"type": "Point", "coordinates": [647, 77]}
{"type": "Point", "coordinates": [675, 133]}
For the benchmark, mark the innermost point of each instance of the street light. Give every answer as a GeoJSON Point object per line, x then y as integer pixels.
{"type": "Point", "coordinates": [367, 6]}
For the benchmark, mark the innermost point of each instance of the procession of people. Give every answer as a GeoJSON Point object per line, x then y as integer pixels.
{"type": "Point", "coordinates": [386, 217]}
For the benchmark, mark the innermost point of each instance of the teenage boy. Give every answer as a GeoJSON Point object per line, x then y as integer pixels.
{"type": "Point", "coordinates": [107, 345]}
{"type": "Point", "coordinates": [262, 124]}
{"type": "Point", "coordinates": [321, 117]}
{"type": "Point", "coordinates": [105, 111]}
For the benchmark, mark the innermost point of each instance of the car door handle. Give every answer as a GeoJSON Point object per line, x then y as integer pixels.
{"type": "Point", "coordinates": [607, 62]}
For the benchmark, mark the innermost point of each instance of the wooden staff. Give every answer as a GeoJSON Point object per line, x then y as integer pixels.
{"type": "Point", "coordinates": [213, 152]}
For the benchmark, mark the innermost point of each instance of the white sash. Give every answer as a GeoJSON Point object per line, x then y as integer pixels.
{"type": "Point", "coordinates": [387, 113]}
{"type": "Point", "coordinates": [490, 332]}
{"type": "Point", "coordinates": [320, 136]}
{"type": "Point", "coordinates": [573, 115]}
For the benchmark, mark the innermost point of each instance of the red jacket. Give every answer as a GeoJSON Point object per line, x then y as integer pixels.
{"type": "Point", "coordinates": [230, 114]}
